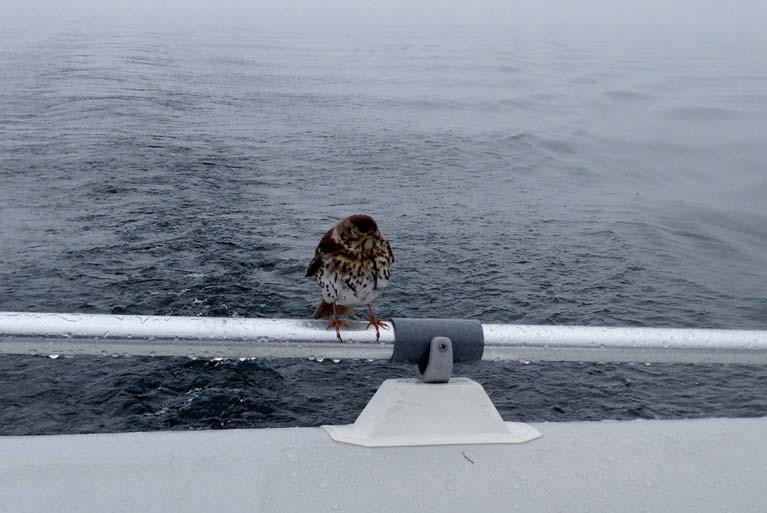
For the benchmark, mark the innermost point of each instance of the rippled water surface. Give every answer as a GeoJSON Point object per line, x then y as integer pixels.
{"type": "Point", "coordinates": [532, 178]}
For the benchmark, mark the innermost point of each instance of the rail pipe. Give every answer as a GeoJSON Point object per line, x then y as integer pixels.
{"type": "Point", "coordinates": [63, 333]}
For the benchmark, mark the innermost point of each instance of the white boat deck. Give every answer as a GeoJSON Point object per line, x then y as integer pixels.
{"type": "Point", "coordinates": [699, 466]}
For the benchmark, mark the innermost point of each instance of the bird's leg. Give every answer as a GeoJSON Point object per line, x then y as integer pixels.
{"type": "Point", "coordinates": [337, 323]}
{"type": "Point", "coordinates": [374, 321]}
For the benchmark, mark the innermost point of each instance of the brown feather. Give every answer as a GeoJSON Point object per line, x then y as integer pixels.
{"type": "Point", "coordinates": [327, 244]}
{"type": "Point", "coordinates": [314, 265]}
{"type": "Point", "coordinates": [363, 222]}
{"type": "Point", "coordinates": [326, 310]}
{"type": "Point", "coordinates": [323, 310]}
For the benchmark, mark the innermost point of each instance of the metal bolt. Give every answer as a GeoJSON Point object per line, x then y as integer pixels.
{"type": "Point", "coordinates": [442, 347]}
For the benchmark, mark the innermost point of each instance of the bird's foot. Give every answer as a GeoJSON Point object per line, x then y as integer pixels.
{"type": "Point", "coordinates": [337, 323]}
{"type": "Point", "coordinates": [376, 322]}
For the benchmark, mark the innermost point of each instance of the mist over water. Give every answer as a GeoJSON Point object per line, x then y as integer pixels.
{"type": "Point", "coordinates": [532, 165]}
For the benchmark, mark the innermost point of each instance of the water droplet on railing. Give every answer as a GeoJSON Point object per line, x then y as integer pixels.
{"type": "Point", "coordinates": [53, 356]}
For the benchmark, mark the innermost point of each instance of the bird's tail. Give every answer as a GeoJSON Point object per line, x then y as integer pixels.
{"type": "Point", "coordinates": [326, 310]}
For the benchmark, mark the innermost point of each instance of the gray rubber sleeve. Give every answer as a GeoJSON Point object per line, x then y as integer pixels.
{"type": "Point", "coordinates": [413, 339]}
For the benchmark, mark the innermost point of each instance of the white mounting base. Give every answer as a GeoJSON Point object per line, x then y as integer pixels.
{"type": "Point", "coordinates": [408, 412]}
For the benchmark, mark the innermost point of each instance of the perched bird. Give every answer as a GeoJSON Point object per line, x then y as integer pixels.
{"type": "Point", "coordinates": [351, 264]}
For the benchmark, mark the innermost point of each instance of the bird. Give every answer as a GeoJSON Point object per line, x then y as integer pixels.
{"type": "Point", "coordinates": [352, 265]}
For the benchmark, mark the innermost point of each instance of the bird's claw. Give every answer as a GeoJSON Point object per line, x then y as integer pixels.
{"type": "Point", "coordinates": [374, 321]}
{"type": "Point", "coordinates": [337, 324]}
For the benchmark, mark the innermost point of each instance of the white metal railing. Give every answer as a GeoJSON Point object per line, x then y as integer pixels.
{"type": "Point", "coordinates": [56, 333]}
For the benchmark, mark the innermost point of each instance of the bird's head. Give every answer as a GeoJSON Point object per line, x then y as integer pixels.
{"type": "Point", "coordinates": [359, 229]}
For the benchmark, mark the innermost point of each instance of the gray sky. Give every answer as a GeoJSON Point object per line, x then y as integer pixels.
{"type": "Point", "coordinates": [734, 16]}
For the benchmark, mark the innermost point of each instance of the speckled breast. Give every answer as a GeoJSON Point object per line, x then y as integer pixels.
{"type": "Point", "coordinates": [352, 284]}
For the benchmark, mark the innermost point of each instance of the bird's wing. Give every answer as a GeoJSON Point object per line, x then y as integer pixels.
{"type": "Point", "coordinates": [326, 245]}
{"type": "Point", "coordinates": [389, 251]}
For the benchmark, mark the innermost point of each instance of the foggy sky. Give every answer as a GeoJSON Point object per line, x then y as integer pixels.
{"type": "Point", "coordinates": [737, 15]}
